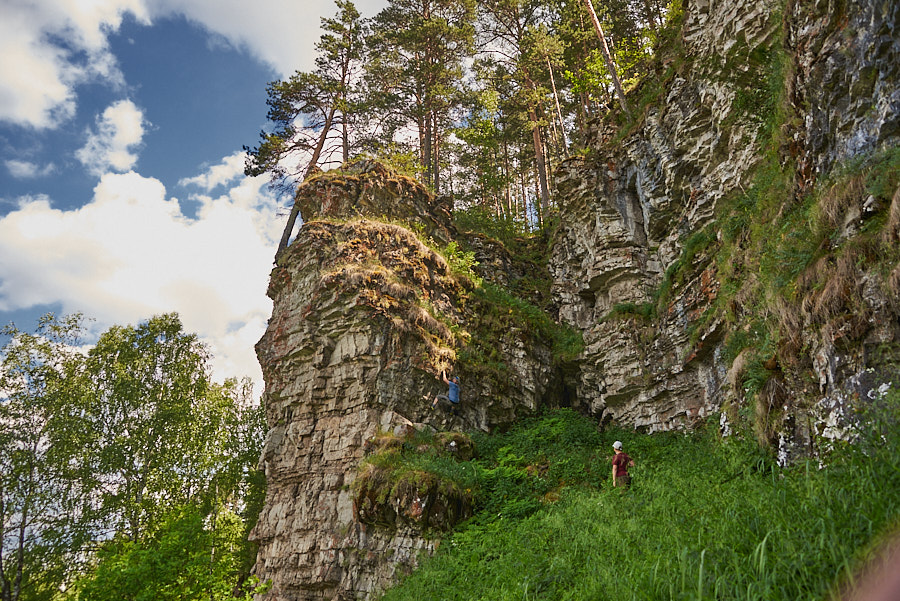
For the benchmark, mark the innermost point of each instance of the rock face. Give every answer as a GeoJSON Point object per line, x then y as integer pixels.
{"type": "Point", "coordinates": [627, 213]}
{"type": "Point", "coordinates": [366, 316]}
{"type": "Point", "coordinates": [631, 210]}
{"type": "Point", "coordinates": [361, 326]}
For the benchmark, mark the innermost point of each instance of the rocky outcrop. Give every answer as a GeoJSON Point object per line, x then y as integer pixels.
{"type": "Point", "coordinates": [370, 188]}
{"type": "Point", "coordinates": [630, 212]}
{"type": "Point", "coordinates": [626, 214]}
{"type": "Point", "coordinates": [365, 317]}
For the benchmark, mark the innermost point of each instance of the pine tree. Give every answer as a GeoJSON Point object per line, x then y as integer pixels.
{"type": "Point", "coordinates": [307, 108]}
{"type": "Point", "coordinates": [416, 61]}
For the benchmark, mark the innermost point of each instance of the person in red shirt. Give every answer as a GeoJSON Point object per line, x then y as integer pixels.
{"type": "Point", "coordinates": [620, 464]}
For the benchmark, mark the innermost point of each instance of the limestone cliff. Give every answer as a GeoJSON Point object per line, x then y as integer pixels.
{"type": "Point", "coordinates": [648, 224]}
{"type": "Point", "coordinates": [722, 251]}
{"type": "Point", "coordinates": [365, 318]}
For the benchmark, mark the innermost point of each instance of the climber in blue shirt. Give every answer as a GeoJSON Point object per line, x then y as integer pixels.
{"type": "Point", "coordinates": [452, 395]}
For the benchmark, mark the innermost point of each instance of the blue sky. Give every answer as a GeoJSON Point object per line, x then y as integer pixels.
{"type": "Point", "coordinates": [122, 192]}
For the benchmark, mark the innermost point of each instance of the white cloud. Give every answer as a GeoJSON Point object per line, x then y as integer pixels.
{"type": "Point", "coordinates": [49, 47]}
{"type": "Point", "coordinates": [281, 34]}
{"type": "Point", "coordinates": [223, 173]}
{"type": "Point", "coordinates": [27, 169]}
{"type": "Point", "coordinates": [131, 253]}
{"type": "Point", "coordinates": [119, 130]}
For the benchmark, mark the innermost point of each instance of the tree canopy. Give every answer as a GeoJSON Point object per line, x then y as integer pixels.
{"type": "Point", "coordinates": [479, 100]}
{"type": "Point", "coordinates": [104, 452]}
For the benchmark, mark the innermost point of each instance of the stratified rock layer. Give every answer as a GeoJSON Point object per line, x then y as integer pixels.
{"type": "Point", "coordinates": [363, 323]}
{"type": "Point", "coordinates": [628, 210]}
{"type": "Point", "coordinates": [365, 316]}
{"type": "Point", "coordinates": [624, 218]}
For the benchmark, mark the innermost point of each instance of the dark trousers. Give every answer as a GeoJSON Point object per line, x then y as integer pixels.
{"type": "Point", "coordinates": [445, 402]}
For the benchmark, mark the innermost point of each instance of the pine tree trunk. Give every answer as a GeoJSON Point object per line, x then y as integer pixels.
{"type": "Point", "coordinates": [562, 126]}
{"type": "Point", "coordinates": [426, 150]}
{"type": "Point", "coordinates": [435, 156]}
{"type": "Point", "coordinates": [607, 57]}
{"type": "Point", "coordinates": [295, 209]}
{"type": "Point", "coordinates": [540, 163]}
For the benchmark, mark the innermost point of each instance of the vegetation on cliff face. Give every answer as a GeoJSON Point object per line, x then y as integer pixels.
{"type": "Point", "coordinates": [795, 254]}
{"type": "Point", "coordinates": [418, 478]}
{"type": "Point", "coordinates": [795, 257]}
{"type": "Point", "coordinates": [706, 518]}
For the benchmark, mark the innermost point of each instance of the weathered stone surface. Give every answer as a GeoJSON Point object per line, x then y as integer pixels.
{"type": "Point", "coordinates": [361, 327]}
{"type": "Point", "coordinates": [365, 316]}
{"type": "Point", "coordinates": [367, 187]}
{"type": "Point", "coordinates": [627, 210]}
{"type": "Point", "coordinates": [848, 66]}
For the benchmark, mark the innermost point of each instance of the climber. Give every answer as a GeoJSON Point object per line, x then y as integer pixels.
{"type": "Point", "coordinates": [452, 396]}
{"type": "Point", "coordinates": [620, 464]}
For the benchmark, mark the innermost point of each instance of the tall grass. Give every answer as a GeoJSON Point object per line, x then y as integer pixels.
{"type": "Point", "coordinates": [705, 519]}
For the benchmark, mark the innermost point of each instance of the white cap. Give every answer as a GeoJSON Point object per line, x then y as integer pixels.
{"type": "Point", "coordinates": [617, 444]}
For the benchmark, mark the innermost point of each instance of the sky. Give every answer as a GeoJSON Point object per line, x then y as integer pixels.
{"type": "Point", "coordinates": [122, 193]}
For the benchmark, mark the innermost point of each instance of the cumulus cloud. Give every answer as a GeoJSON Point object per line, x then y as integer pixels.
{"type": "Point", "coordinates": [131, 253]}
{"type": "Point", "coordinates": [281, 34]}
{"type": "Point", "coordinates": [49, 47]}
{"type": "Point", "coordinates": [225, 172]}
{"type": "Point", "coordinates": [110, 147]}
{"type": "Point", "coordinates": [27, 169]}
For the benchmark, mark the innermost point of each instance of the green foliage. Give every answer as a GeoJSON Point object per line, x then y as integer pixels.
{"type": "Point", "coordinates": [461, 262]}
{"type": "Point", "coordinates": [675, 273]}
{"type": "Point", "coordinates": [482, 220]}
{"type": "Point", "coordinates": [506, 311]}
{"type": "Point", "coordinates": [758, 95]}
{"type": "Point", "coordinates": [884, 178]}
{"type": "Point", "coordinates": [642, 311]}
{"type": "Point", "coordinates": [706, 518]}
{"type": "Point", "coordinates": [304, 108]}
{"type": "Point", "coordinates": [521, 470]}
{"type": "Point", "coordinates": [414, 66]}
{"type": "Point", "coordinates": [42, 510]}
{"type": "Point", "coordinates": [419, 464]}
{"type": "Point", "coordinates": [155, 430]}
{"type": "Point", "coordinates": [190, 557]}
{"type": "Point", "coordinates": [403, 466]}
{"type": "Point", "coordinates": [105, 445]}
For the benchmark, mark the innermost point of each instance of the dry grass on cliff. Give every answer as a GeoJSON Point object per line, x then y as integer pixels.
{"type": "Point", "coordinates": [890, 235]}
{"type": "Point", "coordinates": [839, 197]}
{"type": "Point", "coordinates": [831, 286]}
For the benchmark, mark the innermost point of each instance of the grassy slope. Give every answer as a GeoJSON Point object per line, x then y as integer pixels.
{"type": "Point", "coordinates": [707, 518]}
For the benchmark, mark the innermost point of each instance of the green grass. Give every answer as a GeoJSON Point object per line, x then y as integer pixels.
{"type": "Point", "coordinates": [705, 519]}
{"type": "Point", "coordinates": [641, 311]}
{"type": "Point", "coordinates": [683, 266]}
{"type": "Point", "coordinates": [508, 311]}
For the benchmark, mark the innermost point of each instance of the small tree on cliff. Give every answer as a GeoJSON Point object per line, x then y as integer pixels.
{"type": "Point", "coordinates": [312, 112]}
